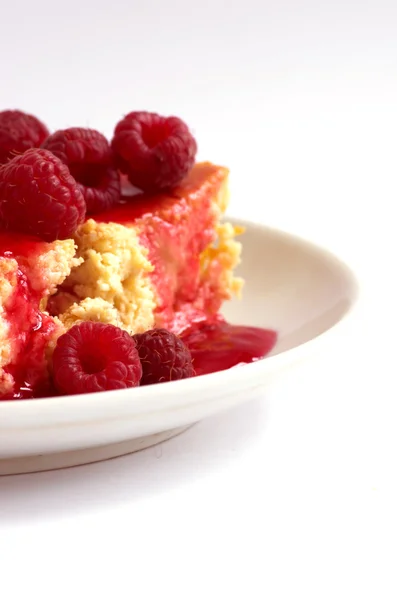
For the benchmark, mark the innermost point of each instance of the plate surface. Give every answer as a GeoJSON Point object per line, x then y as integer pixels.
{"type": "Point", "coordinates": [292, 286]}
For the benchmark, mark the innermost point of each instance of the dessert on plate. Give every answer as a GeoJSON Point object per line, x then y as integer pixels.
{"type": "Point", "coordinates": [114, 260]}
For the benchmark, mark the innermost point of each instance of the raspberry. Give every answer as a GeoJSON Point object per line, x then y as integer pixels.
{"type": "Point", "coordinates": [19, 132]}
{"type": "Point", "coordinates": [92, 357]}
{"type": "Point", "coordinates": [164, 356]}
{"type": "Point", "coordinates": [155, 152]}
{"type": "Point", "coordinates": [38, 196]}
{"type": "Point", "coordinates": [90, 159]}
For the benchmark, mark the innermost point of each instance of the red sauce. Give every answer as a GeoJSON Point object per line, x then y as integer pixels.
{"type": "Point", "coordinates": [130, 209]}
{"type": "Point", "coordinates": [16, 244]}
{"type": "Point", "coordinates": [220, 345]}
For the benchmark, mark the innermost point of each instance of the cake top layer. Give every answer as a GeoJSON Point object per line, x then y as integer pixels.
{"type": "Point", "coordinates": [204, 181]}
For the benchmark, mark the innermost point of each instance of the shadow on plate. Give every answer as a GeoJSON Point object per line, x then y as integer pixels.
{"type": "Point", "coordinates": [206, 447]}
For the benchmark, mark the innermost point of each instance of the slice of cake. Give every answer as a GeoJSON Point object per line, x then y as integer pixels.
{"type": "Point", "coordinates": [75, 247]}
{"type": "Point", "coordinates": [162, 260]}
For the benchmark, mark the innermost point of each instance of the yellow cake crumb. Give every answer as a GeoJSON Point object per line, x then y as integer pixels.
{"type": "Point", "coordinates": [114, 269]}
{"type": "Point", "coordinates": [50, 269]}
{"type": "Point", "coordinates": [91, 309]}
{"type": "Point", "coordinates": [223, 256]}
{"type": "Point", "coordinates": [8, 280]}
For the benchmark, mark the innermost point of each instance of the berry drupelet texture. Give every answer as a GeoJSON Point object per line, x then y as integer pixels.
{"type": "Point", "coordinates": [19, 132]}
{"type": "Point", "coordinates": [155, 152]}
{"type": "Point", "coordinates": [91, 162]}
{"type": "Point", "coordinates": [38, 196]}
{"type": "Point", "coordinates": [93, 357]}
{"type": "Point", "coordinates": [164, 357]}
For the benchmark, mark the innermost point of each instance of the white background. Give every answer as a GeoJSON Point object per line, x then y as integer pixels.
{"type": "Point", "coordinates": [293, 495]}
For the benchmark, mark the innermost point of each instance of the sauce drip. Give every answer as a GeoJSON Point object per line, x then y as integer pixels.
{"type": "Point", "coordinates": [218, 346]}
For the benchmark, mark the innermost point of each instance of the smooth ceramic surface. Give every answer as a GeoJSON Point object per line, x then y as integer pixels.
{"type": "Point", "coordinates": [292, 286]}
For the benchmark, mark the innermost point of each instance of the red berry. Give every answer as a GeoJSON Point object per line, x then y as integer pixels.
{"type": "Point", "coordinates": [38, 196]}
{"type": "Point", "coordinates": [164, 356]}
{"type": "Point", "coordinates": [19, 132]}
{"type": "Point", "coordinates": [155, 152]}
{"type": "Point", "coordinates": [90, 159]}
{"type": "Point", "coordinates": [92, 357]}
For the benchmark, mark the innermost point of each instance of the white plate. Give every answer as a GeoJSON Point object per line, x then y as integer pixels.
{"type": "Point", "coordinates": [292, 286]}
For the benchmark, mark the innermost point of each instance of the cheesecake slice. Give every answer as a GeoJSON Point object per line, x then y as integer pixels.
{"type": "Point", "coordinates": [155, 261]}
{"type": "Point", "coordinates": [161, 260]}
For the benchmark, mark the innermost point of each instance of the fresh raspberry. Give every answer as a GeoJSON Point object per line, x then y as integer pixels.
{"type": "Point", "coordinates": [19, 132]}
{"type": "Point", "coordinates": [164, 356]}
{"type": "Point", "coordinates": [155, 152]}
{"type": "Point", "coordinates": [90, 159]}
{"type": "Point", "coordinates": [38, 196]}
{"type": "Point", "coordinates": [92, 357]}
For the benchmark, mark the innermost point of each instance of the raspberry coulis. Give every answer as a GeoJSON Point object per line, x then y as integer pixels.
{"type": "Point", "coordinates": [220, 345]}
{"type": "Point", "coordinates": [13, 245]}
{"type": "Point", "coordinates": [29, 328]}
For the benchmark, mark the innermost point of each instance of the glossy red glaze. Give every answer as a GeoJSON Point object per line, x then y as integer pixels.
{"type": "Point", "coordinates": [218, 346]}
{"type": "Point", "coordinates": [17, 244]}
